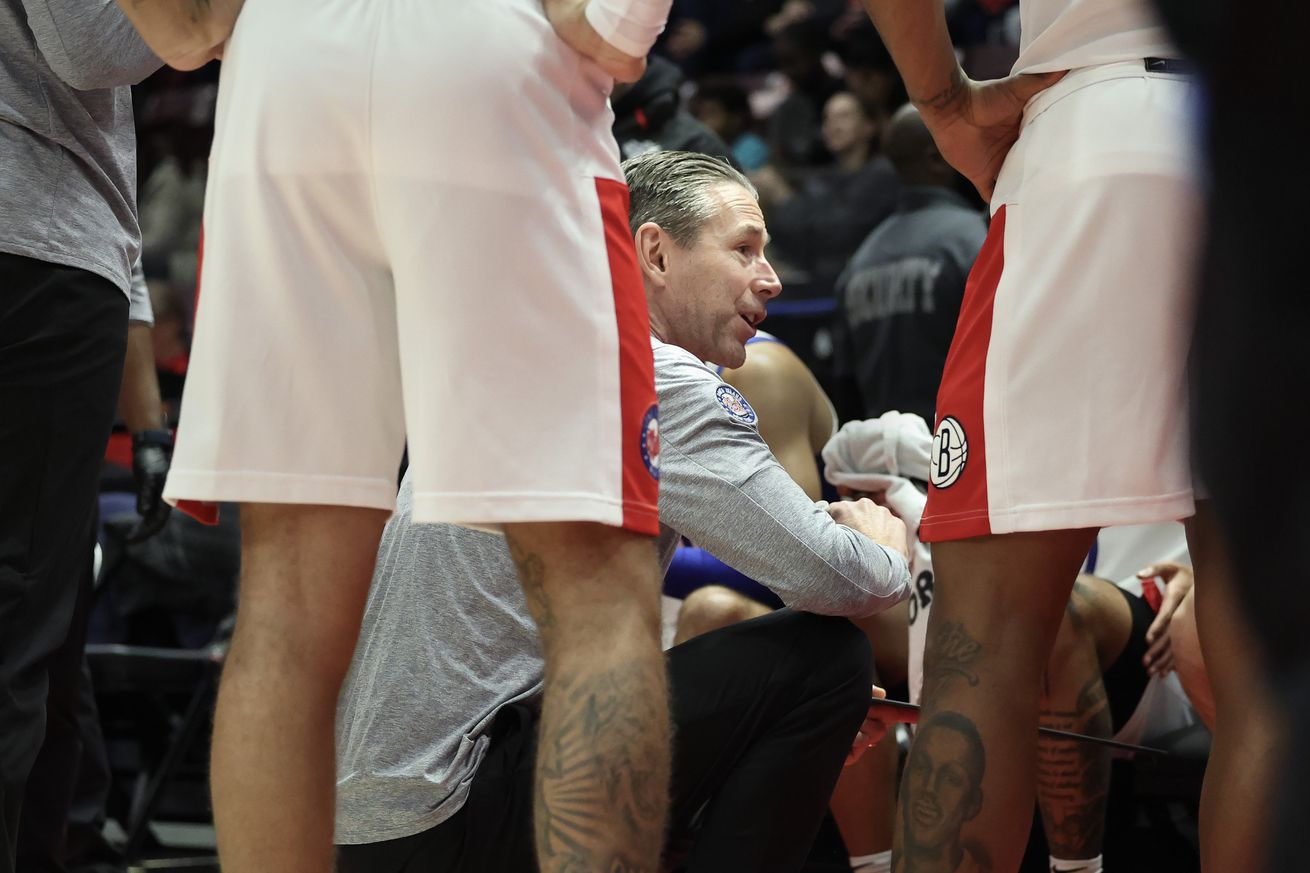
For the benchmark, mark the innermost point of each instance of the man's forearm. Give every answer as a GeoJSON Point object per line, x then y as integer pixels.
{"type": "Point", "coordinates": [914, 31]}
{"type": "Point", "coordinates": [139, 404]}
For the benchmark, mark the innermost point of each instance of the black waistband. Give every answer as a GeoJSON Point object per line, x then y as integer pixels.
{"type": "Point", "coordinates": [1175, 66]}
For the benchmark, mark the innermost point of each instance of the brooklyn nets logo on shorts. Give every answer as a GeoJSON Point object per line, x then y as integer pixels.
{"type": "Point", "coordinates": [950, 452]}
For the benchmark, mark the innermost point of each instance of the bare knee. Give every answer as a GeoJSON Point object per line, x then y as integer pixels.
{"type": "Point", "coordinates": [1072, 661]}
{"type": "Point", "coordinates": [305, 574]}
{"type": "Point", "coordinates": [712, 607]}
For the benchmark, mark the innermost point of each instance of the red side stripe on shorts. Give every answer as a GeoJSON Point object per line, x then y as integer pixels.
{"type": "Point", "coordinates": [636, 363]}
{"type": "Point", "coordinates": [201, 511]}
{"type": "Point", "coordinates": [959, 510]}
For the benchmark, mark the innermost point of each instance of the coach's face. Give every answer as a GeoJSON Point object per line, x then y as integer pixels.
{"type": "Point", "coordinates": [709, 296]}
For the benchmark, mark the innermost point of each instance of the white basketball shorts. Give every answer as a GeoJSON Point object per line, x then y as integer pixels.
{"type": "Point", "coordinates": [1063, 401]}
{"type": "Point", "coordinates": [416, 230]}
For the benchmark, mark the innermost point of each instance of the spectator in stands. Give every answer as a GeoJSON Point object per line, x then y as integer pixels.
{"type": "Point", "coordinates": [649, 116]}
{"type": "Point", "coordinates": [868, 71]}
{"type": "Point", "coordinates": [899, 298]}
{"type": "Point", "coordinates": [173, 195]}
{"type": "Point", "coordinates": [796, 126]}
{"type": "Point", "coordinates": [707, 36]}
{"type": "Point", "coordinates": [819, 216]}
{"type": "Point", "coordinates": [723, 107]}
{"type": "Point", "coordinates": [765, 712]}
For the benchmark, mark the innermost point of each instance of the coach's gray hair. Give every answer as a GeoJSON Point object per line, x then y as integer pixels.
{"type": "Point", "coordinates": [672, 189]}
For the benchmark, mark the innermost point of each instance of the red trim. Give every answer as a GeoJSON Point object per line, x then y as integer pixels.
{"type": "Point", "coordinates": [960, 510]}
{"type": "Point", "coordinates": [636, 364]}
{"type": "Point", "coordinates": [119, 450]}
{"type": "Point", "coordinates": [1152, 595]}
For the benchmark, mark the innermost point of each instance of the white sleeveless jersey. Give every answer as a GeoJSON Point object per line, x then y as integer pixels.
{"type": "Point", "coordinates": [1066, 34]}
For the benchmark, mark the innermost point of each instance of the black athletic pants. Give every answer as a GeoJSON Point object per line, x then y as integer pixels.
{"type": "Point", "coordinates": [764, 713]}
{"type": "Point", "coordinates": [63, 335]}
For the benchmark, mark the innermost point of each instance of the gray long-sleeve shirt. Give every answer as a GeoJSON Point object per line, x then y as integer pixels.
{"type": "Point", "coordinates": [67, 142]}
{"type": "Point", "coordinates": [447, 640]}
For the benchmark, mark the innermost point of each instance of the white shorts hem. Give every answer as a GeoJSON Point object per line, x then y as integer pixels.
{"type": "Point", "coordinates": [1094, 513]}
{"type": "Point", "coordinates": [508, 507]}
{"type": "Point", "coordinates": [250, 487]}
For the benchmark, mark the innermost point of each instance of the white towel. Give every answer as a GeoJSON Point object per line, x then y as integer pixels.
{"type": "Point", "coordinates": [883, 454]}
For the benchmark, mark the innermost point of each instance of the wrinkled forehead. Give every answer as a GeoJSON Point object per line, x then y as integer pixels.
{"type": "Point", "coordinates": [735, 212]}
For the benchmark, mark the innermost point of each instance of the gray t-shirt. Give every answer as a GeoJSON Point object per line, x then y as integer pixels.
{"type": "Point", "coordinates": [67, 141]}
{"type": "Point", "coordinates": [447, 639]}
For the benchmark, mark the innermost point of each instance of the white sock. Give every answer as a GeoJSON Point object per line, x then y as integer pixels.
{"type": "Point", "coordinates": [1091, 865]}
{"type": "Point", "coordinates": [879, 863]}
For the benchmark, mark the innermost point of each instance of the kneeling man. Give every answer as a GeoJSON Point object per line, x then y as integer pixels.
{"type": "Point", "coordinates": [436, 730]}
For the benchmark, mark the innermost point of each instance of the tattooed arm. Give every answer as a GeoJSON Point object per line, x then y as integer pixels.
{"type": "Point", "coordinates": [973, 123]}
{"type": "Point", "coordinates": [186, 34]}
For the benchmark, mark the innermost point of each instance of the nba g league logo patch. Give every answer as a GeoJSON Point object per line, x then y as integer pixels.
{"type": "Point", "coordinates": [734, 404]}
{"type": "Point", "coordinates": [950, 452]}
{"type": "Point", "coordinates": [650, 441]}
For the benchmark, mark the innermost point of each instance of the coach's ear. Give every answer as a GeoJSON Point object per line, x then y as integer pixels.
{"type": "Point", "coordinates": [652, 256]}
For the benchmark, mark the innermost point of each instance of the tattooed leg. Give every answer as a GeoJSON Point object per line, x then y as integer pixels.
{"type": "Point", "coordinates": [603, 750]}
{"type": "Point", "coordinates": [967, 794]}
{"type": "Point", "coordinates": [1073, 779]}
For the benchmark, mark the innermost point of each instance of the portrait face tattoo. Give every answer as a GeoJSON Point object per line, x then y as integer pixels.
{"type": "Point", "coordinates": [943, 787]}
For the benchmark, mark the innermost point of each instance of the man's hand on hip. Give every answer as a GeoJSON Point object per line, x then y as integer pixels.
{"type": "Point", "coordinates": [975, 123]}
{"type": "Point", "coordinates": [569, 19]}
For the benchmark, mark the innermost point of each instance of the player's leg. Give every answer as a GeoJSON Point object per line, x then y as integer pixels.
{"type": "Point", "coordinates": [602, 764]}
{"type": "Point", "coordinates": [1235, 798]}
{"type": "Point", "coordinates": [292, 408]}
{"type": "Point", "coordinates": [529, 387]}
{"type": "Point", "coordinates": [1073, 779]}
{"type": "Point", "coordinates": [712, 607]}
{"type": "Point", "coordinates": [1189, 661]}
{"type": "Point", "coordinates": [305, 573]}
{"type": "Point", "coordinates": [969, 781]}
{"type": "Point", "coordinates": [864, 802]}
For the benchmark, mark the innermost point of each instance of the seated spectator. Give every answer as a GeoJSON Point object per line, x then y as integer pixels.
{"type": "Point", "coordinates": [649, 116]}
{"type": "Point", "coordinates": [899, 298]}
{"type": "Point", "coordinates": [765, 712]}
{"type": "Point", "coordinates": [723, 107]}
{"type": "Point", "coordinates": [820, 216]}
